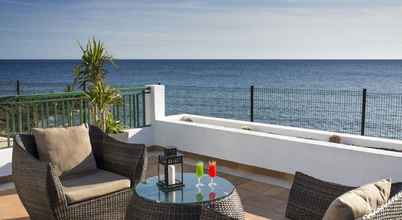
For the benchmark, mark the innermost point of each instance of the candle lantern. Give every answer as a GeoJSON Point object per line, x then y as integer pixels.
{"type": "Point", "coordinates": [170, 165]}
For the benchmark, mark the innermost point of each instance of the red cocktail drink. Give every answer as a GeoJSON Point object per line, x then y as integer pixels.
{"type": "Point", "coordinates": [212, 172]}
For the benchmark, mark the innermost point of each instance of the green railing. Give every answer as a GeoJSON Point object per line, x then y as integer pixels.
{"type": "Point", "coordinates": [19, 114]}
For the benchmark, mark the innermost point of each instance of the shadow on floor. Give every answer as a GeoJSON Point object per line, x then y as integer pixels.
{"type": "Point", "coordinates": [7, 192]}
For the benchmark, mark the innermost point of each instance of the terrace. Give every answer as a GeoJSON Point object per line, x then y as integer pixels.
{"type": "Point", "coordinates": [268, 202]}
{"type": "Point", "coordinates": [259, 159]}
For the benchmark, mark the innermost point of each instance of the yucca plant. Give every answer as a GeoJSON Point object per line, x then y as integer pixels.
{"type": "Point", "coordinates": [89, 75]}
{"type": "Point", "coordinates": [92, 69]}
{"type": "Point", "coordinates": [101, 98]}
{"type": "Point", "coordinates": [113, 126]}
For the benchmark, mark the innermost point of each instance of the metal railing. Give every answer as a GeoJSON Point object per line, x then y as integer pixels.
{"type": "Point", "coordinates": [22, 87]}
{"type": "Point", "coordinates": [210, 101]}
{"type": "Point", "coordinates": [347, 111]}
{"type": "Point", "coordinates": [19, 114]}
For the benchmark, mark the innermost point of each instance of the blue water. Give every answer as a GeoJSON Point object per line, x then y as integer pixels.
{"type": "Point", "coordinates": [375, 75]}
{"type": "Point", "coordinates": [320, 94]}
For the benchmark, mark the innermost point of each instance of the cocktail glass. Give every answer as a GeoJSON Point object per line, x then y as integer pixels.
{"type": "Point", "coordinates": [199, 172]}
{"type": "Point", "coordinates": [212, 173]}
{"type": "Point", "coordinates": [212, 198]}
{"type": "Point", "coordinates": [199, 197]}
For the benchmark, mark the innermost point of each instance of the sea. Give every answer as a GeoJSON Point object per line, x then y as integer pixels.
{"type": "Point", "coordinates": [375, 75]}
{"type": "Point", "coordinates": [321, 94]}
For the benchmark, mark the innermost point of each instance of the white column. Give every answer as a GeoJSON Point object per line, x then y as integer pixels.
{"type": "Point", "coordinates": [155, 103]}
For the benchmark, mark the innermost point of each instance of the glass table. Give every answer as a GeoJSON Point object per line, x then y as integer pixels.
{"type": "Point", "coordinates": [151, 203]}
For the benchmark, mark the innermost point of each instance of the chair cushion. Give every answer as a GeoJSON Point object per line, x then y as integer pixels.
{"type": "Point", "coordinates": [68, 149]}
{"type": "Point", "coordinates": [359, 202]}
{"type": "Point", "coordinates": [91, 185]}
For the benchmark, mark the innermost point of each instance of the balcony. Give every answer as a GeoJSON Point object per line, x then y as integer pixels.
{"type": "Point", "coordinates": [259, 159]}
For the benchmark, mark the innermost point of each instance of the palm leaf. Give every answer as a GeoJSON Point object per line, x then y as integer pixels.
{"type": "Point", "coordinates": [91, 69]}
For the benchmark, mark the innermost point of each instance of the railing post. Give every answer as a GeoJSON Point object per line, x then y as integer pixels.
{"type": "Point", "coordinates": [363, 122]}
{"type": "Point", "coordinates": [143, 108]}
{"type": "Point", "coordinates": [18, 89]}
{"type": "Point", "coordinates": [8, 131]}
{"type": "Point", "coordinates": [155, 103]}
{"type": "Point", "coordinates": [252, 103]}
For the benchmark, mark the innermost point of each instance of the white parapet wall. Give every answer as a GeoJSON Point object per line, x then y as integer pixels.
{"type": "Point", "coordinates": [140, 135]}
{"type": "Point", "coordinates": [347, 139]}
{"type": "Point", "coordinates": [282, 151]}
{"type": "Point", "coordinates": [5, 161]}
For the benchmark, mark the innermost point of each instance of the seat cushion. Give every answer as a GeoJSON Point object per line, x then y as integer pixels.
{"type": "Point", "coordinates": [359, 202]}
{"type": "Point", "coordinates": [68, 149]}
{"type": "Point", "coordinates": [91, 185]}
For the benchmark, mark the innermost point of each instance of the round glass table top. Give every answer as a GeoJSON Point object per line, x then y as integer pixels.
{"type": "Point", "coordinates": [190, 193]}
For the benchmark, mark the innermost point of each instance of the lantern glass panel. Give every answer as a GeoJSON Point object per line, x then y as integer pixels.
{"type": "Point", "coordinates": [175, 160]}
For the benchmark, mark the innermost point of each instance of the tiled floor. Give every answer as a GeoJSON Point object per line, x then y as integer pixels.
{"type": "Point", "coordinates": [11, 207]}
{"type": "Point", "coordinates": [260, 200]}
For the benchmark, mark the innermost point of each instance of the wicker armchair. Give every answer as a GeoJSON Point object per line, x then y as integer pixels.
{"type": "Point", "coordinates": [309, 199]}
{"type": "Point", "coordinates": [211, 214]}
{"type": "Point", "coordinates": [41, 191]}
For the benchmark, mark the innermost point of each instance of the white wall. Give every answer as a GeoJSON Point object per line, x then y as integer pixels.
{"type": "Point", "coordinates": [155, 103]}
{"type": "Point", "coordinates": [349, 139]}
{"type": "Point", "coordinates": [5, 161]}
{"type": "Point", "coordinates": [140, 135]}
{"type": "Point", "coordinates": [333, 162]}
{"type": "Point", "coordinates": [154, 109]}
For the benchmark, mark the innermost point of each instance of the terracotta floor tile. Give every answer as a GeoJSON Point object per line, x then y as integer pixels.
{"type": "Point", "coordinates": [278, 193]}
{"type": "Point", "coordinates": [11, 206]}
{"type": "Point", "coordinates": [234, 179]}
{"type": "Point", "coordinates": [255, 186]}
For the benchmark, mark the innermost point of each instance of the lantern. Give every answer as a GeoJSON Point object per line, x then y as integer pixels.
{"type": "Point", "coordinates": [169, 163]}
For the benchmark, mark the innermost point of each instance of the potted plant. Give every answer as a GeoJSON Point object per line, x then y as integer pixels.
{"type": "Point", "coordinates": [186, 119]}
{"type": "Point", "coordinates": [335, 139]}
{"type": "Point", "coordinates": [89, 75]}
{"type": "Point", "coordinates": [247, 128]}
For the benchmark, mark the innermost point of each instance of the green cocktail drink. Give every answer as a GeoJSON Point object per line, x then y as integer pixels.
{"type": "Point", "coordinates": [199, 169]}
{"type": "Point", "coordinates": [199, 172]}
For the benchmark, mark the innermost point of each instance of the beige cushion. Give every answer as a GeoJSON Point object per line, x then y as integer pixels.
{"type": "Point", "coordinates": [68, 149]}
{"type": "Point", "coordinates": [359, 202]}
{"type": "Point", "coordinates": [88, 186]}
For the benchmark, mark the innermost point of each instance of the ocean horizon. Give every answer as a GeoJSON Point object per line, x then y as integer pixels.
{"type": "Point", "coordinates": [377, 75]}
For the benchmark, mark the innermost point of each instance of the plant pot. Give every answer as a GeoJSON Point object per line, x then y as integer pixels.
{"type": "Point", "coordinates": [123, 137]}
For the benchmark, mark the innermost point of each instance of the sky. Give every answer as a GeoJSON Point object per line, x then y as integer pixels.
{"type": "Point", "coordinates": [207, 29]}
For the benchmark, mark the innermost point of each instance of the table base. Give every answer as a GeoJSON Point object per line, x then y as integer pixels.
{"type": "Point", "coordinates": [140, 208]}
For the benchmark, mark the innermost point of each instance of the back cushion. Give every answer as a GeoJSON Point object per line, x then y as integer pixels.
{"type": "Point", "coordinates": [68, 149]}
{"type": "Point", "coordinates": [359, 202]}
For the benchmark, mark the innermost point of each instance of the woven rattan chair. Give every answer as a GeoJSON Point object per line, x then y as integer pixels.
{"type": "Point", "coordinates": [309, 199]}
{"type": "Point", "coordinates": [211, 214]}
{"type": "Point", "coordinates": [41, 191]}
